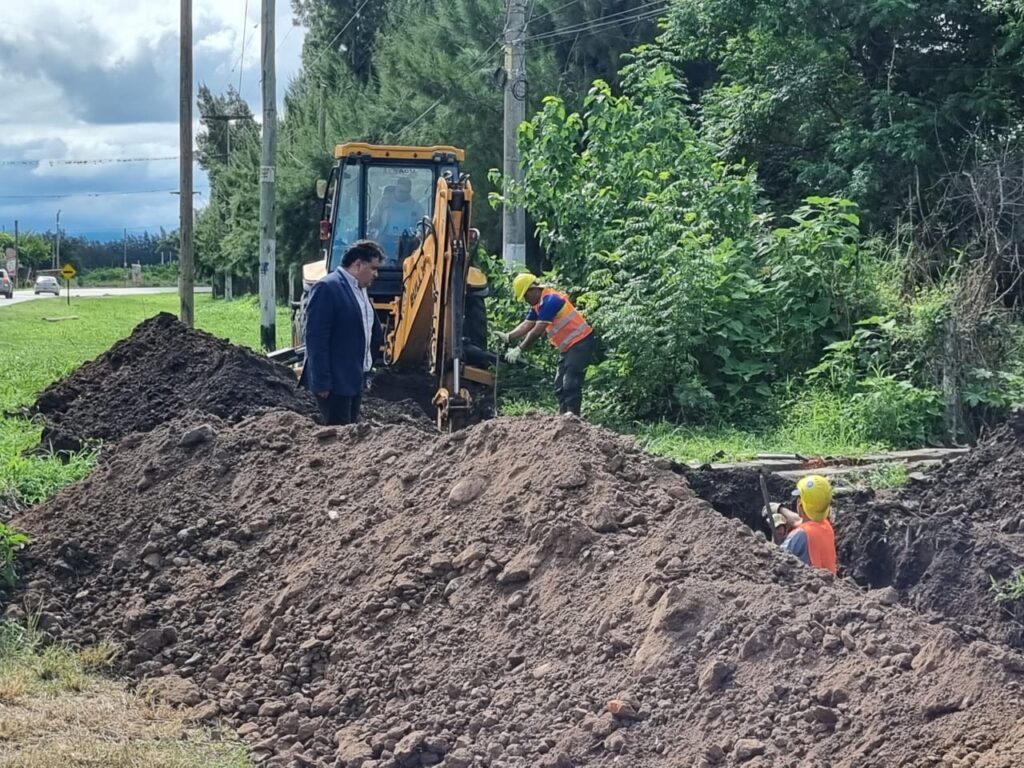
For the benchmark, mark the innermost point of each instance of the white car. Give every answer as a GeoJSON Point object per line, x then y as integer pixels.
{"type": "Point", "coordinates": [47, 284]}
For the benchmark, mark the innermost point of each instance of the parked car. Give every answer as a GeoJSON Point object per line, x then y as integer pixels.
{"type": "Point", "coordinates": [47, 284]}
{"type": "Point", "coordinates": [6, 284]}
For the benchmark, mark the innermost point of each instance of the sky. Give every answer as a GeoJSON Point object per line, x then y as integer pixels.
{"type": "Point", "coordinates": [98, 80]}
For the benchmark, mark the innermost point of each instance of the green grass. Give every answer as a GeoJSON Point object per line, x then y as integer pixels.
{"type": "Point", "coordinates": [56, 709]}
{"type": "Point", "coordinates": [1009, 589]}
{"type": "Point", "coordinates": [886, 476]}
{"type": "Point", "coordinates": [34, 353]}
{"type": "Point", "coordinates": [727, 443]}
{"type": "Point", "coordinates": [153, 275]}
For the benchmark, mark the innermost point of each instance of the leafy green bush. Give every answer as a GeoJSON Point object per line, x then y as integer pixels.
{"type": "Point", "coordinates": [703, 304]}
{"type": "Point", "coordinates": [11, 542]}
{"type": "Point", "coordinates": [897, 412]}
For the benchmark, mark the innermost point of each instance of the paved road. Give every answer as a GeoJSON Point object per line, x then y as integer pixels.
{"type": "Point", "coordinates": [28, 295]}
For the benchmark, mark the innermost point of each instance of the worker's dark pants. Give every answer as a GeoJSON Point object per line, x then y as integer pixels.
{"type": "Point", "coordinates": [572, 370]}
{"type": "Point", "coordinates": [337, 409]}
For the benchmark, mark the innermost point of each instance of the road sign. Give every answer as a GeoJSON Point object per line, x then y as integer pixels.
{"type": "Point", "coordinates": [67, 271]}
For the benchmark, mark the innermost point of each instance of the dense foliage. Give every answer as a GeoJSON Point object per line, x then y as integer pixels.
{"type": "Point", "coordinates": [790, 211]}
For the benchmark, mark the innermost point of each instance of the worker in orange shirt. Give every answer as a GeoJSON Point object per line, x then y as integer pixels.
{"type": "Point", "coordinates": [552, 313]}
{"type": "Point", "coordinates": [813, 541]}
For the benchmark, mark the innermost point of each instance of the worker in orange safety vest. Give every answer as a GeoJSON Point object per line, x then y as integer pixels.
{"type": "Point", "coordinates": [813, 540]}
{"type": "Point", "coordinates": [553, 314]}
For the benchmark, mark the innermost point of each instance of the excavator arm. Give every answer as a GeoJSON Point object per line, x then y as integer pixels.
{"type": "Point", "coordinates": [421, 293]}
{"type": "Point", "coordinates": [428, 325]}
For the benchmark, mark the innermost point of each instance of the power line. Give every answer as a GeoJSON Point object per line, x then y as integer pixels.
{"type": "Point", "coordinates": [432, 107]}
{"type": "Point", "coordinates": [241, 58]}
{"type": "Point", "coordinates": [90, 161]}
{"type": "Point", "coordinates": [92, 194]}
{"type": "Point", "coordinates": [553, 40]}
{"type": "Point", "coordinates": [340, 33]}
{"type": "Point", "coordinates": [614, 19]}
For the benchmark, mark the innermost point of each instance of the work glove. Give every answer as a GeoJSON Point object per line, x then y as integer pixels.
{"type": "Point", "coordinates": [502, 336]}
{"type": "Point", "coordinates": [513, 355]}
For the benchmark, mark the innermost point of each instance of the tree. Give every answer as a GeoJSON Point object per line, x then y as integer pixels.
{"type": "Point", "coordinates": [704, 302]}
{"type": "Point", "coordinates": [873, 100]}
{"type": "Point", "coordinates": [34, 250]}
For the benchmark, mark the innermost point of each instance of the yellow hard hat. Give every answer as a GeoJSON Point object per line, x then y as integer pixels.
{"type": "Point", "coordinates": [476, 278]}
{"type": "Point", "coordinates": [521, 284]}
{"type": "Point", "coordinates": [815, 494]}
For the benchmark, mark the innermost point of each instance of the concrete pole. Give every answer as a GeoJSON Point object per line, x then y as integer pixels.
{"type": "Point", "coordinates": [513, 233]}
{"type": "Point", "coordinates": [268, 243]}
{"type": "Point", "coordinates": [56, 254]}
{"type": "Point", "coordinates": [186, 267]}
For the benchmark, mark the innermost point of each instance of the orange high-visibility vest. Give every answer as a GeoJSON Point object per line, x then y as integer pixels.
{"type": "Point", "coordinates": [821, 543]}
{"type": "Point", "coordinates": [568, 328]}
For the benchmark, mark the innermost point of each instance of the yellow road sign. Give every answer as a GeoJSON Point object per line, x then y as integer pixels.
{"type": "Point", "coordinates": [67, 271]}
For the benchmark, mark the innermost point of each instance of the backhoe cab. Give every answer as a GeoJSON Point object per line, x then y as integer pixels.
{"type": "Point", "coordinates": [416, 203]}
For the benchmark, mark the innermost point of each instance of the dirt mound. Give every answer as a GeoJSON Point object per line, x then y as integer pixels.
{"type": "Point", "coordinates": [529, 592]}
{"type": "Point", "coordinates": [154, 375]}
{"type": "Point", "coordinates": [164, 369]}
{"type": "Point", "coordinates": [951, 543]}
{"type": "Point", "coordinates": [737, 494]}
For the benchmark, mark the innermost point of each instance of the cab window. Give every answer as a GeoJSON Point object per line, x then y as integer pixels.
{"type": "Point", "coordinates": [346, 212]}
{"type": "Point", "coordinates": [397, 199]}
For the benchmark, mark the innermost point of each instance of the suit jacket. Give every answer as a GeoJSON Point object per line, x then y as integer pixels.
{"type": "Point", "coordinates": [335, 342]}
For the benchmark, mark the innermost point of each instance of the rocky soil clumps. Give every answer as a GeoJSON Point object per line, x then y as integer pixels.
{"type": "Point", "coordinates": [951, 544]}
{"type": "Point", "coordinates": [527, 592]}
{"type": "Point", "coordinates": [164, 370]}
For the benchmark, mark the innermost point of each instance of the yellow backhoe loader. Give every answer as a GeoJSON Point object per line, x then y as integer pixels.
{"type": "Point", "coordinates": [416, 203]}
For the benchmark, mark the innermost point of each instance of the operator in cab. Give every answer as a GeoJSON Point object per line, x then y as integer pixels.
{"type": "Point", "coordinates": [398, 213]}
{"type": "Point", "coordinates": [552, 313]}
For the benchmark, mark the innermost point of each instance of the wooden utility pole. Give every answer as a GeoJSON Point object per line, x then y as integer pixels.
{"type": "Point", "coordinates": [16, 256]}
{"type": "Point", "coordinates": [186, 264]}
{"type": "Point", "coordinates": [268, 244]}
{"type": "Point", "coordinates": [513, 232]}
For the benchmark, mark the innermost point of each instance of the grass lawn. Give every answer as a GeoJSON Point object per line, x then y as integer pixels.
{"type": "Point", "coordinates": [55, 707]}
{"type": "Point", "coordinates": [56, 710]}
{"type": "Point", "coordinates": [726, 443]}
{"type": "Point", "coordinates": [34, 353]}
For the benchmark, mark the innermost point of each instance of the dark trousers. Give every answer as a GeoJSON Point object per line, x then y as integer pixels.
{"type": "Point", "coordinates": [572, 370]}
{"type": "Point", "coordinates": [337, 409]}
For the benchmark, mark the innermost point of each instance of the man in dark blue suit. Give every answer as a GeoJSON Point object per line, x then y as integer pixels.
{"type": "Point", "coordinates": [342, 333]}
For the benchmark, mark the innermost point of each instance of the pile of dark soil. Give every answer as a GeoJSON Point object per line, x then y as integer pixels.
{"type": "Point", "coordinates": [524, 593]}
{"type": "Point", "coordinates": [736, 494]}
{"type": "Point", "coordinates": [951, 543]}
{"type": "Point", "coordinates": [153, 376]}
{"type": "Point", "coordinates": [164, 369]}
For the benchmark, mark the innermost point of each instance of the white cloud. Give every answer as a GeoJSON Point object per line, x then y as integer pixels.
{"type": "Point", "coordinates": [99, 80]}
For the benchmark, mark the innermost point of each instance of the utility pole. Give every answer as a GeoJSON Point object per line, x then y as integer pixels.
{"type": "Point", "coordinates": [124, 243]}
{"type": "Point", "coordinates": [186, 265]}
{"type": "Point", "coordinates": [56, 253]}
{"type": "Point", "coordinates": [16, 254]}
{"type": "Point", "coordinates": [513, 231]}
{"type": "Point", "coordinates": [322, 116]}
{"type": "Point", "coordinates": [268, 244]}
